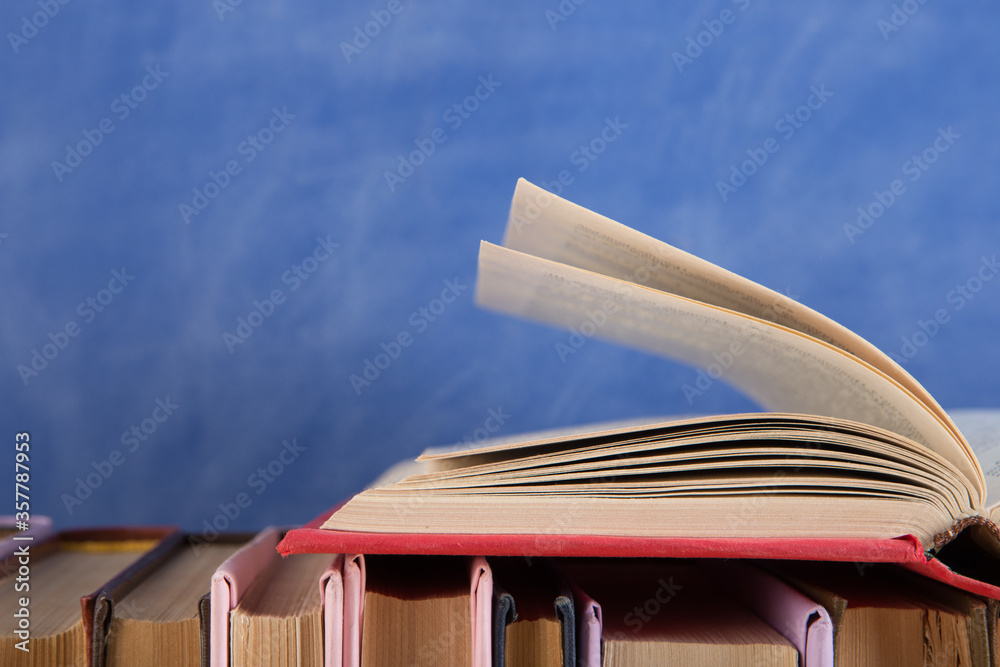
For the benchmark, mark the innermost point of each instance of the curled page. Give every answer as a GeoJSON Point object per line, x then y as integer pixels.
{"type": "Point", "coordinates": [547, 226]}
{"type": "Point", "coordinates": [780, 368]}
{"type": "Point", "coordinates": [550, 227]}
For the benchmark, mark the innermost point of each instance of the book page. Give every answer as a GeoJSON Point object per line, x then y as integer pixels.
{"type": "Point", "coordinates": [547, 226]}
{"type": "Point", "coordinates": [783, 370]}
{"type": "Point", "coordinates": [547, 434]}
{"type": "Point", "coordinates": [830, 515]}
{"type": "Point", "coordinates": [398, 471]}
{"type": "Point", "coordinates": [982, 431]}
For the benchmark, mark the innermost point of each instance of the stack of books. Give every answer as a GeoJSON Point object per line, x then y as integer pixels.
{"type": "Point", "coordinates": [852, 524]}
{"type": "Point", "coordinates": [136, 596]}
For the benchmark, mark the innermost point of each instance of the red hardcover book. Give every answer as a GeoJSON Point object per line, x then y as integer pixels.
{"type": "Point", "coordinates": [905, 550]}
{"type": "Point", "coordinates": [856, 461]}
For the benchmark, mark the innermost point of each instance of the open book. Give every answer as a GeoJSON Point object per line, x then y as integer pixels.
{"type": "Point", "coordinates": [854, 447]}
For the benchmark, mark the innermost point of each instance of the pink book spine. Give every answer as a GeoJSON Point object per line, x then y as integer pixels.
{"type": "Point", "coordinates": [804, 622]}
{"type": "Point", "coordinates": [481, 600]}
{"type": "Point", "coordinates": [331, 590]}
{"type": "Point", "coordinates": [230, 582]}
{"type": "Point", "coordinates": [354, 609]}
{"type": "Point", "coordinates": [590, 626]}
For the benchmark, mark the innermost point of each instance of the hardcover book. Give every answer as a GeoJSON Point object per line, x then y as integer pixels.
{"type": "Point", "coordinates": [853, 459]}
{"type": "Point", "coordinates": [68, 573]}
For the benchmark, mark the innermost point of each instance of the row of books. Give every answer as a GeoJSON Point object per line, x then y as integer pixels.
{"type": "Point", "coordinates": [152, 595]}
{"type": "Point", "coordinates": [855, 523]}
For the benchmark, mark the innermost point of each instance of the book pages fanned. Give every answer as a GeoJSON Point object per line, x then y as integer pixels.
{"type": "Point", "coordinates": [783, 370]}
{"type": "Point", "coordinates": [851, 446]}
{"type": "Point", "coordinates": [550, 227]}
{"type": "Point", "coordinates": [981, 428]}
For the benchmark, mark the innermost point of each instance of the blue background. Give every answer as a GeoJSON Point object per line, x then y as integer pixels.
{"type": "Point", "coordinates": [356, 110]}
